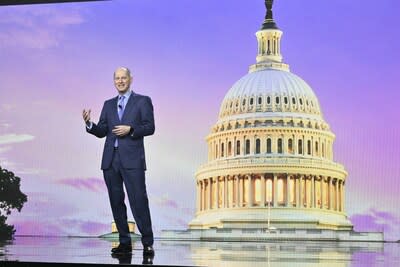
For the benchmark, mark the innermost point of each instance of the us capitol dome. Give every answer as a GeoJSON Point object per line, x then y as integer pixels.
{"type": "Point", "coordinates": [270, 153]}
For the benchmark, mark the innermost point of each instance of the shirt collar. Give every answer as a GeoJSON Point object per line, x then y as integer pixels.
{"type": "Point", "coordinates": [127, 94]}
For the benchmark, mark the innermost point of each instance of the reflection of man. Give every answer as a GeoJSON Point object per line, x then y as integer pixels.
{"type": "Point", "coordinates": [124, 121]}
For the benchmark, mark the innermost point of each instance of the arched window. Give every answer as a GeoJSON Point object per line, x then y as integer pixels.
{"type": "Point", "coordinates": [301, 101]}
{"type": "Point", "coordinates": [247, 147]}
{"type": "Point", "coordinates": [260, 100]}
{"type": "Point", "coordinates": [286, 100]}
{"type": "Point", "coordinates": [258, 146]}
{"type": "Point", "coordinates": [238, 147]}
{"type": "Point", "coordinates": [316, 148]}
{"type": "Point", "coordinates": [293, 100]}
{"type": "Point", "coordinates": [216, 151]}
{"type": "Point", "coordinates": [323, 149]}
{"type": "Point", "coordinates": [251, 101]}
{"type": "Point", "coordinates": [244, 102]}
{"type": "Point", "coordinates": [300, 145]}
{"type": "Point", "coordinates": [277, 100]}
{"type": "Point", "coordinates": [280, 150]}
{"type": "Point", "coordinates": [222, 149]}
{"type": "Point", "coordinates": [229, 149]}
{"type": "Point", "coordinates": [290, 146]}
{"type": "Point", "coordinates": [268, 100]}
{"type": "Point", "coordinates": [309, 147]}
{"type": "Point", "coordinates": [269, 146]}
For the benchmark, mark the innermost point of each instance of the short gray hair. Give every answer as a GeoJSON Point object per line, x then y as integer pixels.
{"type": "Point", "coordinates": [128, 71]}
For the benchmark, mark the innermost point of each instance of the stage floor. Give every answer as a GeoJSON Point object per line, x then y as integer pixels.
{"type": "Point", "coordinates": [185, 253]}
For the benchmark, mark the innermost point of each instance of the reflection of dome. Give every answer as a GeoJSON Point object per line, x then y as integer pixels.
{"type": "Point", "coordinates": [270, 147]}
{"type": "Point", "coordinates": [269, 91]}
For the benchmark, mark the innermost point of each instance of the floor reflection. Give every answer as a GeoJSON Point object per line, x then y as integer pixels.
{"type": "Point", "coordinates": [286, 254]}
{"type": "Point", "coordinates": [274, 254]}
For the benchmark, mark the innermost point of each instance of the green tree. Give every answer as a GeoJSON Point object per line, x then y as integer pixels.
{"type": "Point", "coordinates": [11, 198]}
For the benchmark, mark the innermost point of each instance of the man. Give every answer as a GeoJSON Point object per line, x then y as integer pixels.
{"type": "Point", "coordinates": [124, 121]}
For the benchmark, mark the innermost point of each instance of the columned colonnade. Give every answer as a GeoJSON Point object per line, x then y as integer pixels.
{"type": "Point", "coordinates": [277, 190]}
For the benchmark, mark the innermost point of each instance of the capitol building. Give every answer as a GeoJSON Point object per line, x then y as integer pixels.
{"type": "Point", "coordinates": [271, 146]}
{"type": "Point", "coordinates": [270, 158]}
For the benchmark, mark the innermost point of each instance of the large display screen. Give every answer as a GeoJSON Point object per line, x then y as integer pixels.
{"type": "Point", "coordinates": [58, 59]}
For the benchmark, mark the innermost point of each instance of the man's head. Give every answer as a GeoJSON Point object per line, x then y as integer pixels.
{"type": "Point", "coordinates": [122, 79]}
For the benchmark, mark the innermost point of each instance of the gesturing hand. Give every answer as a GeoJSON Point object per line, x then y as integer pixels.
{"type": "Point", "coordinates": [86, 115]}
{"type": "Point", "coordinates": [121, 130]}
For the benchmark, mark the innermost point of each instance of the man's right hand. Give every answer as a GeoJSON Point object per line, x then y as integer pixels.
{"type": "Point", "coordinates": [86, 116]}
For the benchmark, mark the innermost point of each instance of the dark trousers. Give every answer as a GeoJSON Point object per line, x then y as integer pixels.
{"type": "Point", "coordinates": [134, 180]}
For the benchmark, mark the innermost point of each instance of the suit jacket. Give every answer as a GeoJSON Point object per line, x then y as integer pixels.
{"type": "Point", "coordinates": [138, 114]}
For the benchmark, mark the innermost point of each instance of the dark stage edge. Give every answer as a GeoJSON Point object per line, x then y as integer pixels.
{"type": "Point", "coordinates": [89, 251]}
{"type": "Point", "coordinates": [55, 264]}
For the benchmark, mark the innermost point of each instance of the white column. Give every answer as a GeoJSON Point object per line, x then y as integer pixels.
{"type": "Point", "coordinates": [337, 195]}
{"type": "Point", "coordinates": [250, 190]}
{"type": "Point", "coordinates": [240, 191]}
{"type": "Point", "coordinates": [275, 190]}
{"type": "Point", "coordinates": [237, 191]}
{"type": "Point", "coordinates": [263, 190]}
{"type": "Point", "coordinates": [243, 145]}
{"type": "Point", "coordinates": [321, 189]}
{"type": "Point", "coordinates": [343, 195]}
{"type": "Point", "coordinates": [210, 193]}
{"type": "Point", "coordinates": [198, 196]}
{"type": "Point", "coordinates": [226, 198]}
{"type": "Point", "coordinates": [301, 203]}
{"type": "Point", "coordinates": [203, 196]}
{"type": "Point", "coordinates": [313, 193]}
{"type": "Point", "coordinates": [288, 204]}
{"type": "Point", "coordinates": [216, 192]}
{"type": "Point", "coordinates": [297, 184]}
{"type": "Point", "coordinates": [330, 193]}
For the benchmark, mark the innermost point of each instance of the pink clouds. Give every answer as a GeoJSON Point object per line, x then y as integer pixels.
{"type": "Point", "coordinates": [376, 220]}
{"type": "Point", "coordinates": [86, 227]}
{"type": "Point", "coordinates": [39, 228]}
{"type": "Point", "coordinates": [94, 228]}
{"type": "Point", "coordinates": [89, 184]}
{"type": "Point", "coordinates": [42, 227]}
{"type": "Point", "coordinates": [34, 27]}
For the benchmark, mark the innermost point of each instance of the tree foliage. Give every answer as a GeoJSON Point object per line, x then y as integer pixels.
{"type": "Point", "coordinates": [11, 198]}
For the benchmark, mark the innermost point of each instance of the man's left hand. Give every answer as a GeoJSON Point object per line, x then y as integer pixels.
{"type": "Point", "coordinates": [121, 130]}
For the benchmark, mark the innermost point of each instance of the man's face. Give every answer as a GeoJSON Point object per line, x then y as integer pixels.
{"type": "Point", "coordinates": [122, 81]}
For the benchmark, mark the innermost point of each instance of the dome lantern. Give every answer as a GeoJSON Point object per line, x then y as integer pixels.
{"type": "Point", "coordinates": [269, 44]}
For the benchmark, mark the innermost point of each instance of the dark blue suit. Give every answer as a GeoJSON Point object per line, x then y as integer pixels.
{"type": "Point", "coordinates": [126, 165]}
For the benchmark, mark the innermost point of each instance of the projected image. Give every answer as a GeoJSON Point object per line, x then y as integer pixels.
{"type": "Point", "coordinates": [189, 57]}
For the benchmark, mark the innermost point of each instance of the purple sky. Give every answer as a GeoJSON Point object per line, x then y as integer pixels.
{"type": "Point", "coordinates": [58, 59]}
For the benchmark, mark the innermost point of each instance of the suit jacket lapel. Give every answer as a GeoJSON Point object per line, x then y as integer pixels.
{"type": "Point", "coordinates": [115, 109]}
{"type": "Point", "coordinates": [129, 105]}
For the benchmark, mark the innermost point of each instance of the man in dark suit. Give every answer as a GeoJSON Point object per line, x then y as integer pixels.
{"type": "Point", "coordinates": [124, 121]}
